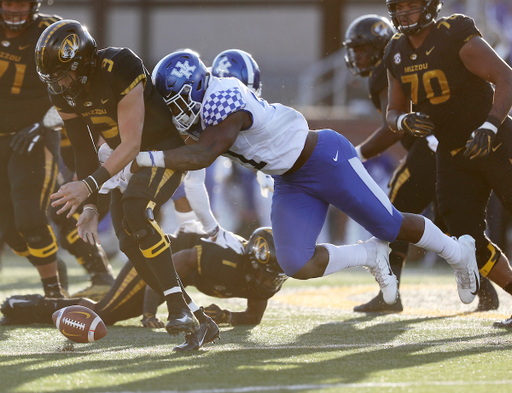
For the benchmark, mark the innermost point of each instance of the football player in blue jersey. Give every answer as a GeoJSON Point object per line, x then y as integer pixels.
{"type": "Point", "coordinates": [412, 186]}
{"type": "Point", "coordinates": [311, 169]}
{"type": "Point", "coordinates": [462, 93]}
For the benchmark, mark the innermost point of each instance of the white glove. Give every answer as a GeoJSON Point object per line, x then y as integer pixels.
{"type": "Point", "coordinates": [226, 239]}
{"type": "Point", "coordinates": [266, 183]}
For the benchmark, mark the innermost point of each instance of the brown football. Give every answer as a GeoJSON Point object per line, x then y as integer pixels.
{"type": "Point", "coordinates": [79, 324]}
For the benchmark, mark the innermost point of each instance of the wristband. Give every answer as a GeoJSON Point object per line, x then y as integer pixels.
{"type": "Point", "coordinates": [94, 181]}
{"type": "Point", "coordinates": [91, 208]}
{"type": "Point", "coordinates": [491, 123]}
{"type": "Point", "coordinates": [399, 121]}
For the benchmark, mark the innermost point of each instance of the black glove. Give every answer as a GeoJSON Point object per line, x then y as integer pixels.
{"type": "Point", "coordinates": [151, 321]}
{"type": "Point", "coordinates": [479, 145]}
{"type": "Point", "coordinates": [25, 140]}
{"type": "Point", "coordinates": [217, 314]}
{"type": "Point", "coordinates": [416, 124]}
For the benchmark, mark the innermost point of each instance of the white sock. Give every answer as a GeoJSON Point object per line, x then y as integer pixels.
{"type": "Point", "coordinates": [193, 307]}
{"type": "Point", "coordinates": [434, 239]}
{"type": "Point", "coordinates": [344, 257]}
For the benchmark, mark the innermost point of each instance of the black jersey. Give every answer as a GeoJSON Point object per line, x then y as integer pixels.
{"type": "Point", "coordinates": [434, 77]}
{"type": "Point", "coordinates": [224, 273]}
{"type": "Point", "coordinates": [378, 81]}
{"type": "Point", "coordinates": [23, 96]}
{"type": "Point", "coordinates": [117, 72]}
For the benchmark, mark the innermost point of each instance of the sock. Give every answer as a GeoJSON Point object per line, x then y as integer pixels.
{"type": "Point", "coordinates": [396, 261]}
{"type": "Point", "coordinates": [344, 257]}
{"type": "Point", "coordinates": [433, 239]}
{"type": "Point", "coordinates": [197, 311]}
{"type": "Point", "coordinates": [51, 286]}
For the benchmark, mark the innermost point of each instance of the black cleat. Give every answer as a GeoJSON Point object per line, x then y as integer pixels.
{"type": "Point", "coordinates": [208, 332]}
{"type": "Point", "coordinates": [487, 296]}
{"type": "Point", "coordinates": [23, 310]}
{"type": "Point", "coordinates": [506, 323]}
{"type": "Point", "coordinates": [181, 320]}
{"type": "Point", "coordinates": [378, 305]}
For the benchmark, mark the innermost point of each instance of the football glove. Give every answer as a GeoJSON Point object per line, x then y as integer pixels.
{"type": "Point", "coordinates": [25, 140]}
{"type": "Point", "coordinates": [217, 314]}
{"type": "Point", "coordinates": [416, 124]}
{"type": "Point", "coordinates": [226, 239]}
{"type": "Point", "coordinates": [479, 145]}
{"type": "Point", "coordinates": [149, 320]}
{"type": "Point", "coordinates": [266, 183]}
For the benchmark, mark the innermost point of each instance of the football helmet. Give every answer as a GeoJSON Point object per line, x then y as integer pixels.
{"type": "Point", "coordinates": [16, 20]}
{"type": "Point", "coordinates": [365, 41]}
{"type": "Point", "coordinates": [429, 13]}
{"type": "Point", "coordinates": [238, 64]}
{"type": "Point", "coordinates": [66, 58]}
{"type": "Point", "coordinates": [182, 79]}
{"type": "Point", "coordinates": [265, 272]}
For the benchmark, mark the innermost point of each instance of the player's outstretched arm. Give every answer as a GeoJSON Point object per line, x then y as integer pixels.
{"type": "Point", "coordinates": [251, 316]}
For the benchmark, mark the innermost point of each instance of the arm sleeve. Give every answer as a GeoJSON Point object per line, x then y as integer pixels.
{"type": "Point", "coordinates": [198, 198]}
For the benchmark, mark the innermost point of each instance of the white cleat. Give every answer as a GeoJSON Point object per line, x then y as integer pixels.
{"type": "Point", "coordinates": [378, 264]}
{"type": "Point", "coordinates": [468, 277]}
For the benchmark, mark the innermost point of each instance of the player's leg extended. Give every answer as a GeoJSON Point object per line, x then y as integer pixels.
{"type": "Point", "coordinates": [411, 189]}
{"type": "Point", "coordinates": [32, 178]}
{"type": "Point", "coordinates": [147, 191]}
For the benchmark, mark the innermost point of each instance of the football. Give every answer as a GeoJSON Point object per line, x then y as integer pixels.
{"type": "Point", "coordinates": [79, 324]}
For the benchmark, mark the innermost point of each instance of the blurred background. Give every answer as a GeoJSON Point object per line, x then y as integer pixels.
{"type": "Point", "coordinates": [298, 46]}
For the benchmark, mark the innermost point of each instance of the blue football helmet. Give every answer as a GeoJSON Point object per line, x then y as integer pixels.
{"type": "Point", "coordinates": [238, 64]}
{"type": "Point", "coordinates": [182, 79]}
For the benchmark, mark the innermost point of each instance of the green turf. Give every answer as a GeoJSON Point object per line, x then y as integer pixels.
{"type": "Point", "coordinates": [297, 347]}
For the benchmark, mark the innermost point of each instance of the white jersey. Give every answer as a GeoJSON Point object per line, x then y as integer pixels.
{"type": "Point", "coordinates": [276, 136]}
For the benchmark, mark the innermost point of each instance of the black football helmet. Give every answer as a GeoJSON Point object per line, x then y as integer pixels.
{"type": "Point", "coordinates": [16, 21]}
{"type": "Point", "coordinates": [265, 273]}
{"type": "Point", "coordinates": [429, 13]}
{"type": "Point", "coordinates": [365, 40]}
{"type": "Point", "coordinates": [66, 46]}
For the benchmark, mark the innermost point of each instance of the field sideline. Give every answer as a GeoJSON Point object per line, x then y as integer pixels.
{"type": "Point", "coordinates": [309, 340]}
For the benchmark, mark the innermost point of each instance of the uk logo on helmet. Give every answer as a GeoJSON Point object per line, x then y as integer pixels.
{"type": "Point", "coordinates": [222, 68]}
{"type": "Point", "coordinates": [69, 47]}
{"type": "Point", "coordinates": [183, 69]}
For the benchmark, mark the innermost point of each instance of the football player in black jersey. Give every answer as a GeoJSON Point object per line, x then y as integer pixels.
{"type": "Point", "coordinates": [412, 187]}
{"type": "Point", "coordinates": [29, 152]}
{"type": "Point", "coordinates": [250, 273]}
{"type": "Point", "coordinates": [462, 92]}
{"type": "Point", "coordinates": [110, 93]}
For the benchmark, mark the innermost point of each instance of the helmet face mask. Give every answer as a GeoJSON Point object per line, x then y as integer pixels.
{"type": "Point", "coordinates": [365, 41]}
{"type": "Point", "coordinates": [238, 64]}
{"type": "Point", "coordinates": [427, 10]}
{"type": "Point", "coordinates": [66, 58]}
{"type": "Point", "coordinates": [17, 18]}
{"type": "Point", "coordinates": [266, 273]}
{"type": "Point", "coordinates": [182, 79]}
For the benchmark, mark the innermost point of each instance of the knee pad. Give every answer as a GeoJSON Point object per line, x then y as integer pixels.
{"type": "Point", "coordinates": [42, 245]}
{"type": "Point", "coordinates": [150, 237]}
{"type": "Point", "coordinates": [487, 257]}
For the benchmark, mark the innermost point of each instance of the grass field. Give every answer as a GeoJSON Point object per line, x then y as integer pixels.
{"type": "Point", "coordinates": [309, 340]}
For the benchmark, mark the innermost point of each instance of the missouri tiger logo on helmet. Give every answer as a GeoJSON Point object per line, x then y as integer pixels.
{"type": "Point", "coordinates": [266, 274]}
{"type": "Point", "coordinates": [69, 48]}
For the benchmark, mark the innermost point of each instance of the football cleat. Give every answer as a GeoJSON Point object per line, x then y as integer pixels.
{"type": "Point", "coordinates": [378, 305]}
{"type": "Point", "coordinates": [378, 264]}
{"type": "Point", "coordinates": [101, 284]}
{"type": "Point", "coordinates": [181, 320]}
{"type": "Point", "coordinates": [468, 277]}
{"type": "Point", "coordinates": [487, 296]}
{"type": "Point", "coordinates": [506, 323]}
{"type": "Point", "coordinates": [23, 310]}
{"type": "Point", "coordinates": [208, 332]}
